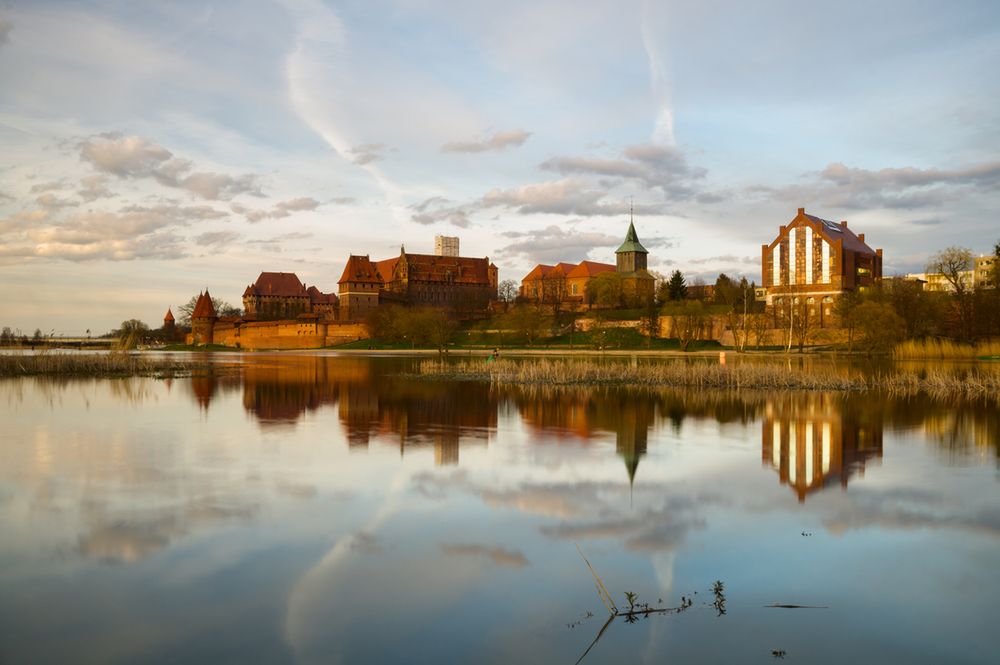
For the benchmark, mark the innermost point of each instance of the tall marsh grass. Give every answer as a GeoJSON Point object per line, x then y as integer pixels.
{"type": "Point", "coordinates": [946, 349]}
{"type": "Point", "coordinates": [706, 376]}
{"type": "Point", "coordinates": [94, 364]}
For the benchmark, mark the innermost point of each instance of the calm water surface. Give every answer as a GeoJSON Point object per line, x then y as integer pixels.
{"type": "Point", "coordinates": [322, 509]}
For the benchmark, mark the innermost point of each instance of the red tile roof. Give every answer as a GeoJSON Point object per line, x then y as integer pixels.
{"type": "Point", "coordinates": [451, 269]}
{"type": "Point", "coordinates": [277, 284]}
{"type": "Point", "coordinates": [203, 309]}
{"type": "Point", "coordinates": [559, 271]}
{"type": "Point", "coordinates": [538, 272]}
{"type": "Point", "coordinates": [317, 297]}
{"type": "Point", "coordinates": [590, 269]}
{"type": "Point", "coordinates": [386, 268]}
{"type": "Point", "coordinates": [169, 316]}
{"type": "Point", "coordinates": [360, 269]}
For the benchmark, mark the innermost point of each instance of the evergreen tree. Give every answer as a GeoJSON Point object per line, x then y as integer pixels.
{"type": "Point", "coordinates": [677, 287]}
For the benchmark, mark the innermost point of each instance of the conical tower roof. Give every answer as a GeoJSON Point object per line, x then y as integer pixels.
{"type": "Point", "coordinates": [631, 243]}
{"type": "Point", "coordinates": [203, 309]}
{"type": "Point", "coordinates": [169, 316]}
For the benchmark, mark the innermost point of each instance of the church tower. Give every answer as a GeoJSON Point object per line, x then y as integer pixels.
{"type": "Point", "coordinates": [631, 256]}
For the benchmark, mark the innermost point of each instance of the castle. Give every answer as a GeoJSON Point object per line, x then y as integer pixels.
{"type": "Point", "coordinates": [280, 311]}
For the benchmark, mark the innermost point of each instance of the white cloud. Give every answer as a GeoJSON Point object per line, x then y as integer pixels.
{"type": "Point", "coordinates": [498, 141]}
{"type": "Point", "coordinates": [137, 158]}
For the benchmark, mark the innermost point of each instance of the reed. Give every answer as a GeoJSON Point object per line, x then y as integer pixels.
{"type": "Point", "coordinates": [705, 376]}
{"type": "Point", "coordinates": [946, 349]}
{"type": "Point", "coordinates": [94, 364]}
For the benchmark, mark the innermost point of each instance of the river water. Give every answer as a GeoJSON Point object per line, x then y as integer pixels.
{"type": "Point", "coordinates": [325, 509]}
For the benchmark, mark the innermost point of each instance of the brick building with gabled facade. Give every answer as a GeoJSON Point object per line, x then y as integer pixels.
{"type": "Point", "coordinates": [813, 262]}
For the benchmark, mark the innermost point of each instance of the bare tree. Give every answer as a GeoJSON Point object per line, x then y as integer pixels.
{"type": "Point", "coordinates": [953, 264]}
{"type": "Point", "coordinates": [507, 291]}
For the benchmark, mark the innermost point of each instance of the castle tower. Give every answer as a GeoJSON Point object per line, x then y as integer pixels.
{"type": "Point", "coordinates": [631, 256]}
{"type": "Point", "coordinates": [203, 320]}
{"type": "Point", "coordinates": [169, 326]}
{"type": "Point", "coordinates": [359, 288]}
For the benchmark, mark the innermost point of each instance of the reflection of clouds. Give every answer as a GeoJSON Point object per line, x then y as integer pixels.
{"type": "Point", "coordinates": [498, 555]}
{"type": "Point", "coordinates": [117, 540]}
{"type": "Point", "coordinates": [127, 543]}
{"type": "Point", "coordinates": [365, 543]}
{"type": "Point", "coordinates": [651, 530]}
{"type": "Point", "coordinates": [588, 510]}
{"type": "Point", "coordinates": [909, 510]}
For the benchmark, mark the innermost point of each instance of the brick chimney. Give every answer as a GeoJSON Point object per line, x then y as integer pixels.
{"type": "Point", "coordinates": [844, 223]}
{"type": "Point", "coordinates": [861, 237]}
{"type": "Point", "coordinates": [802, 211]}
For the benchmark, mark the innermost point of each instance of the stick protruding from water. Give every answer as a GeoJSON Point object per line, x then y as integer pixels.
{"type": "Point", "coordinates": [602, 591]}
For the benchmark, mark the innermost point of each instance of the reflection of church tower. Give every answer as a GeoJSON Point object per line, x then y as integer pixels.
{"type": "Point", "coordinates": [813, 443]}
{"type": "Point", "coordinates": [631, 435]}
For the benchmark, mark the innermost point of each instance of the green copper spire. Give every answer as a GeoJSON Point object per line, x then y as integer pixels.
{"type": "Point", "coordinates": [631, 243]}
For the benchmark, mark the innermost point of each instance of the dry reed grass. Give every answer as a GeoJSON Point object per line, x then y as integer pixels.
{"type": "Point", "coordinates": [706, 376]}
{"type": "Point", "coordinates": [94, 364]}
{"type": "Point", "coordinates": [946, 349]}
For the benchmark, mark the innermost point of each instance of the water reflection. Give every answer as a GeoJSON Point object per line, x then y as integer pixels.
{"type": "Point", "coordinates": [323, 509]}
{"type": "Point", "coordinates": [813, 441]}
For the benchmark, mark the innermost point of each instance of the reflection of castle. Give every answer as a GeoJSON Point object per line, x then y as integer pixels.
{"type": "Point", "coordinates": [813, 444]}
{"type": "Point", "coordinates": [406, 414]}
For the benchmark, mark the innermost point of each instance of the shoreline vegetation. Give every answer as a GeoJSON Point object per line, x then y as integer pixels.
{"type": "Point", "coordinates": [99, 365]}
{"type": "Point", "coordinates": [704, 376]}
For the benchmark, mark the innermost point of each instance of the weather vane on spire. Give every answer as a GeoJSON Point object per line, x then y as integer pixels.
{"type": "Point", "coordinates": [630, 219]}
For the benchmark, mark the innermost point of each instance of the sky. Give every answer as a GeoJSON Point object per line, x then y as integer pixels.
{"type": "Point", "coordinates": [152, 150]}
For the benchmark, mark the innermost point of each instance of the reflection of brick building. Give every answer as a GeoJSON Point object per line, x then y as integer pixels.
{"type": "Point", "coordinates": [813, 444]}
{"type": "Point", "coordinates": [813, 261]}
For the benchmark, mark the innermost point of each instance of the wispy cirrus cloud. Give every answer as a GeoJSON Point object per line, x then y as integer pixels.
{"type": "Point", "coordinates": [493, 143]}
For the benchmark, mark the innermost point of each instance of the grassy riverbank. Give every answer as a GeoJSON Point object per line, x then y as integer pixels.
{"type": "Point", "coordinates": [704, 375]}
{"type": "Point", "coordinates": [96, 365]}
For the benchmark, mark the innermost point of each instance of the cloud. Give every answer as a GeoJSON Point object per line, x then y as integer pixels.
{"type": "Point", "coordinates": [657, 166]}
{"type": "Point", "coordinates": [434, 210]}
{"type": "Point", "coordinates": [726, 258]}
{"type": "Point", "coordinates": [280, 210]}
{"type": "Point", "coordinates": [132, 157]}
{"type": "Point", "coordinates": [5, 28]}
{"type": "Point", "coordinates": [342, 200]}
{"type": "Point", "coordinates": [53, 186]}
{"type": "Point", "coordinates": [555, 243]}
{"type": "Point", "coordinates": [132, 232]}
{"type": "Point", "coordinates": [498, 555]}
{"type": "Point", "coordinates": [367, 153]}
{"type": "Point", "coordinates": [53, 202]}
{"type": "Point", "coordinates": [841, 186]}
{"type": "Point", "coordinates": [93, 187]}
{"type": "Point", "coordinates": [217, 238]}
{"type": "Point", "coordinates": [498, 141]}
